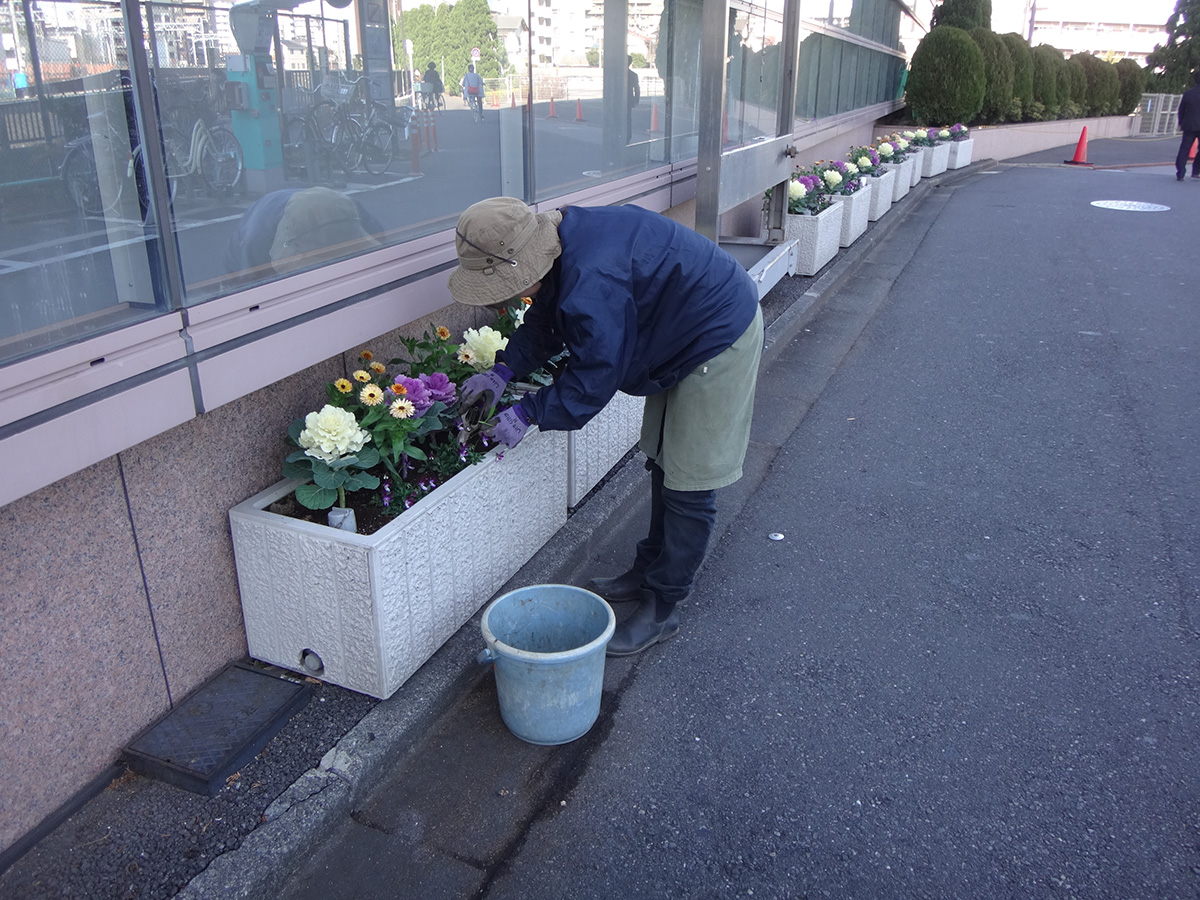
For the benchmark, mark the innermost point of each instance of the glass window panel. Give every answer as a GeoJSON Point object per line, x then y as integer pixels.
{"type": "Point", "coordinates": [680, 34]}
{"type": "Point", "coordinates": [607, 66]}
{"type": "Point", "coordinates": [753, 72]}
{"type": "Point", "coordinates": [80, 251]}
{"type": "Point", "coordinates": [807, 72]}
{"type": "Point", "coordinates": [848, 78]}
{"type": "Point", "coordinates": [314, 134]}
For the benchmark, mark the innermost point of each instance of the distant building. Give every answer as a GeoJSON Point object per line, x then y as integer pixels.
{"type": "Point", "coordinates": [1109, 29]}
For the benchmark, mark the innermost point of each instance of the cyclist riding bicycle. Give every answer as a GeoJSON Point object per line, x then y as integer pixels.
{"type": "Point", "coordinates": [434, 90]}
{"type": "Point", "coordinates": [472, 88]}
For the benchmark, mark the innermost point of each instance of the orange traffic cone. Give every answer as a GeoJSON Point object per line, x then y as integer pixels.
{"type": "Point", "coordinates": [654, 129]}
{"type": "Point", "coordinates": [495, 101]}
{"type": "Point", "coordinates": [513, 100]}
{"type": "Point", "coordinates": [579, 110]}
{"type": "Point", "coordinates": [1080, 151]}
{"type": "Point", "coordinates": [1192, 152]}
{"type": "Point", "coordinates": [552, 114]}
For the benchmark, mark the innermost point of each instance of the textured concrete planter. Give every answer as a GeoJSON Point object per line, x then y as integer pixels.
{"type": "Point", "coordinates": [935, 161]}
{"type": "Point", "coordinates": [903, 183]}
{"type": "Point", "coordinates": [854, 216]}
{"type": "Point", "coordinates": [374, 607]}
{"type": "Point", "coordinates": [918, 158]}
{"type": "Point", "coordinates": [816, 238]}
{"type": "Point", "coordinates": [599, 445]}
{"type": "Point", "coordinates": [960, 153]}
{"type": "Point", "coordinates": [882, 188]}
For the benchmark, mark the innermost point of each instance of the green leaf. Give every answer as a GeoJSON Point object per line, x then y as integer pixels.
{"type": "Point", "coordinates": [296, 469]}
{"type": "Point", "coordinates": [316, 497]}
{"type": "Point", "coordinates": [415, 452]}
{"type": "Point", "coordinates": [295, 429]}
{"type": "Point", "coordinates": [368, 457]}
{"type": "Point", "coordinates": [326, 477]}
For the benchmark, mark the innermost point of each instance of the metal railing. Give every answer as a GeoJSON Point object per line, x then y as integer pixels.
{"type": "Point", "coordinates": [1160, 113]}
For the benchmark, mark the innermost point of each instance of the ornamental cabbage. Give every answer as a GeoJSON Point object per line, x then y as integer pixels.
{"type": "Point", "coordinates": [885, 150]}
{"type": "Point", "coordinates": [796, 190]}
{"type": "Point", "coordinates": [864, 162]}
{"type": "Point", "coordinates": [483, 344]}
{"type": "Point", "coordinates": [331, 434]}
{"type": "Point", "coordinates": [832, 177]}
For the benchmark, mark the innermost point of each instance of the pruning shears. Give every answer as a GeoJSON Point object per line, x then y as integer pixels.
{"type": "Point", "coordinates": [473, 420]}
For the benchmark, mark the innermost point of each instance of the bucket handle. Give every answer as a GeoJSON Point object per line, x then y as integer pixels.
{"type": "Point", "coordinates": [485, 657]}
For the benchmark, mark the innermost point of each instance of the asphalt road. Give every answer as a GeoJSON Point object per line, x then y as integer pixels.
{"type": "Point", "coordinates": [967, 670]}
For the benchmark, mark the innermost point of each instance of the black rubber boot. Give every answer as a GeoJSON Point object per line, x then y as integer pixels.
{"type": "Point", "coordinates": [619, 588]}
{"type": "Point", "coordinates": [652, 623]}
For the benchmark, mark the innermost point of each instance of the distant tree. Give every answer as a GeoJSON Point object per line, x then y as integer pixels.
{"type": "Point", "coordinates": [1133, 84]}
{"type": "Point", "coordinates": [639, 61]}
{"type": "Point", "coordinates": [946, 82]}
{"type": "Point", "coordinates": [1018, 48]}
{"type": "Point", "coordinates": [449, 33]}
{"type": "Point", "coordinates": [593, 57]}
{"type": "Point", "coordinates": [998, 70]}
{"type": "Point", "coordinates": [1173, 63]}
{"type": "Point", "coordinates": [964, 14]}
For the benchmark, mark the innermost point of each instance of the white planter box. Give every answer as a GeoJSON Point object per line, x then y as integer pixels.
{"type": "Point", "coordinates": [904, 172]}
{"type": "Point", "coordinates": [595, 448]}
{"type": "Point", "coordinates": [960, 153]}
{"type": "Point", "coordinates": [882, 188]}
{"type": "Point", "coordinates": [816, 238]}
{"type": "Point", "coordinates": [374, 607]}
{"type": "Point", "coordinates": [854, 216]}
{"type": "Point", "coordinates": [918, 158]}
{"type": "Point", "coordinates": [935, 161]}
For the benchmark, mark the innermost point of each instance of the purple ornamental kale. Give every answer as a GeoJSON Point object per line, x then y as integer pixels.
{"type": "Point", "coordinates": [416, 392]}
{"type": "Point", "coordinates": [440, 387]}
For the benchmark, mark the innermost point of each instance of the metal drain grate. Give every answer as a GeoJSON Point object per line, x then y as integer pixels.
{"type": "Point", "coordinates": [1130, 205]}
{"type": "Point", "coordinates": [216, 729]}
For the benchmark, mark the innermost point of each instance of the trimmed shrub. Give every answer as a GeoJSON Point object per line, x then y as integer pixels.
{"type": "Point", "coordinates": [1066, 109]}
{"type": "Point", "coordinates": [998, 71]}
{"type": "Point", "coordinates": [1103, 85]}
{"type": "Point", "coordinates": [1022, 68]}
{"type": "Point", "coordinates": [1133, 84]}
{"type": "Point", "coordinates": [946, 82]}
{"type": "Point", "coordinates": [1078, 84]}
{"type": "Point", "coordinates": [1047, 61]}
{"type": "Point", "coordinates": [964, 14]}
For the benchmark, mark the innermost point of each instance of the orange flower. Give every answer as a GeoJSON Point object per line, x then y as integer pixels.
{"type": "Point", "coordinates": [378, 368]}
{"type": "Point", "coordinates": [443, 333]}
{"type": "Point", "coordinates": [399, 389]}
{"type": "Point", "coordinates": [367, 355]}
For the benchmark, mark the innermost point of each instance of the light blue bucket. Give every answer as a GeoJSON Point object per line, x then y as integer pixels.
{"type": "Point", "coordinates": [547, 644]}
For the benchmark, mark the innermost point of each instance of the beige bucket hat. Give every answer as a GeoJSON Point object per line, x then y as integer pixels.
{"type": "Point", "coordinates": [504, 248]}
{"type": "Point", "coordinates": [318, 224]}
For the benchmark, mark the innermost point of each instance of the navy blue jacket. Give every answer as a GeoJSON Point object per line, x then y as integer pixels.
{"type": "Point", "coordinates": [1189, 110]}
{"type": "Point", "coordinates": [638, 300]}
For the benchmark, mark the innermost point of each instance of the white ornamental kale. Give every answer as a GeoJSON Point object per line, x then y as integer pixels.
{"type": "Point", "coordinates": [331, 434]}
{"type": "Point", "coordinates": [480, 345]}
{"type": "Point", "coordinates": [832, 177]}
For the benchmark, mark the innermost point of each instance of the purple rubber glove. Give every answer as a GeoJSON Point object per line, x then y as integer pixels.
{"type": "Point", "coordinates": [485, 388]}
{"type": "Point", "coordinates": [509, 426]}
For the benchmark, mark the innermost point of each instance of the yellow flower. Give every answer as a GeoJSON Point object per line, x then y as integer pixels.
{"type": "Point", "coordinates": [367, 355]}
{"type": "Point", "coordinates": [466, 355]}
{"type": "Point", "coordinates": [371, 395]}
{"type": "Point", "coordinates": [443, 333]}
{"type": "Point", "coordinates": [343, 385]}
{"type": "Point", "coordinates": [399, 389]}
{"type": "Point", "coordinates": [360, 375]}
{"type": "Point", "coordinates": [528, 301]}
{"type": "Point", "coordinates": [402, 409]}
{"type": "Point", "coordinates": [378, 368]}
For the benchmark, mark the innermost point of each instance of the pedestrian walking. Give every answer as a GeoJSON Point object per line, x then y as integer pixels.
{"type": "Point", "coordinates": [645, 306]}
{"type": "Point", "coordinates": [1189, 124]}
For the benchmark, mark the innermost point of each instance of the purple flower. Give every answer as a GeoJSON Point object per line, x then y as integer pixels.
{"type": "Point", "coordinates": [415, 391]}
{"type": "Point", "coordinates": [387, 493]}
{"type": "Point", "coordinates": [440, 387]}
{"type": "Point", "coordinates": [839, 165]}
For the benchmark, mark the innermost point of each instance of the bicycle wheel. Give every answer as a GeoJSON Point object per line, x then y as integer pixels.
{"type": "Point", "coordinates": [221, 159]}
{"type": "Point", "coordinates": [378, 147]}
{"type": "Point", "coordinates": [477, 108]}
{"type": "Point", "coordinates": [82, 182]}
{"type": "Point", "coordinates": [347, 144]}
{"type": "Point", "coordinates": [321, 119]}
{"type": "Point", "coordinates": [295, 134]}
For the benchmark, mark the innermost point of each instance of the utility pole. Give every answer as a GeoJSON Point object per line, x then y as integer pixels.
{"type": "Point", "coordinates": [1032, 20]}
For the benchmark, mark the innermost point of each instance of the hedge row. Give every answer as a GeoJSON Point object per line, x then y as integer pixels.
{"type": "Point", "coordinates": [983, 78]}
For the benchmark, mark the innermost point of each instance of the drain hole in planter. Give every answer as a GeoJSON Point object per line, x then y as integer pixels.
{"type": "Point", "coordinates": [311, 662]}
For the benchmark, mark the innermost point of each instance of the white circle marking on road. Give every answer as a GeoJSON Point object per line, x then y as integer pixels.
{"type": "Point", "coordinates": [1130, 205]}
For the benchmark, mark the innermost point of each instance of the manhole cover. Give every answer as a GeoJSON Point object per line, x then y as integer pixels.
{"type": "Point", "coordinates": [1130, 205]}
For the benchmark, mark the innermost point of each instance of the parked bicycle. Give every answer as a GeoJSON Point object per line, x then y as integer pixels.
{"type": "Point", "coordinates": [81, 176]}
{"type": "Point", "coordinates": [212, 152]}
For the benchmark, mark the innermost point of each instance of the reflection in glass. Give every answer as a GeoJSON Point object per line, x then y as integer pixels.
{"type": "Point", "coordinates": [753, 73]}
{"type": "Point", "coordinates": [79, 239]}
